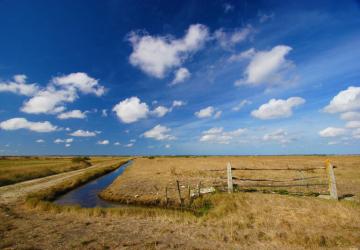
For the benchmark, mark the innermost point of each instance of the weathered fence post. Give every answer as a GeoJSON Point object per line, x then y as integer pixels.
{"type": "Point", "coordinates": [332, 180]}
{"type": "Point", "coordinates": [229, 178]}
{"type": "Point", "coordinates": [179, 192]}
{"type": "Point", "coordinates": [189, 195]}
{"type": "Point", "coordinates": [199, 189]}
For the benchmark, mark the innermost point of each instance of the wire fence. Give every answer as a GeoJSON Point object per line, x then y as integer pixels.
{"type": "Point", "coordinates": [299, 181]}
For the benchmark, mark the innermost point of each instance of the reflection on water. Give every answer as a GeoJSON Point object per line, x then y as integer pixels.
{"type": "Point", "coordinates": [87, 195]}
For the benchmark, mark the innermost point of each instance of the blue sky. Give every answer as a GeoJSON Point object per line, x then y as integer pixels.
{"type": "Point", "coordinates": [179, 77]}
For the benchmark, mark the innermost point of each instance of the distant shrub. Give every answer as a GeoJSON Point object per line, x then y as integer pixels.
{"type": "Point", "coordinates": [81, 160]}
{"type": "Point", "coordinates": [151, 157]}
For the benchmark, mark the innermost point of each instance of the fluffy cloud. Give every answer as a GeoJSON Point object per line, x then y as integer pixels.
{"type": "Point", "coordinates": [155, 55]}
{"type": "Point", "coordinates": [353, 124]}
{"type": "Point", "coordinates": [117, 143]}
{"type": "Point", "coordinates": [104, 142]}
{"type": "Point", "coordinates": [22, 123]}
{"type": "Point", "coordinates": [205, 112]}
{"type": "Point", "coordinates": [178, 103]}
{"type": "Point", "coordinates": [344, 101]}
{"type": "Point", "coordinates": [265, 66]}
{"type": "Point", "coordinates": [61, 90]}
{"type": "Point", "coordinates": [129, 145]}
{"type": "Point", "coordinates": [159, 133]}
{"type": "Point", "coordinates": [350, 116]}
{"type": "Point", "coordinates": [83, 133]}
{"type": "Point", "coordinates": [131, 110]}
{"type": "Point", "coordinates": [217, 135]}
{"type": "Point", "coordinates": [75, 114]}
{"type": "Point", "coordinates": [160, 111]}
{"type": "Point", "coordinates": [277, 108]}
{"type": "Point", "coordinates": [229, 39]}
{"type": "Point", "coordinates": [332, 132]}
{"type": "Point", "coordinates": [19, 86]}
{"type": "Point", "coordinates": [80, 81]}
{"type": "Point", "coordinates": [49, 101]}
{"type": "Point", "coordinates": [279, 135]}
{"type": "Point", "coordinates": [181, 75]}
{"type": "Point", "coordinates": [40, 141]}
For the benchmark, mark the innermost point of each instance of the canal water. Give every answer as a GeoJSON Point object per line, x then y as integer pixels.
{"type": "Point", "coordinates": [87, 194]}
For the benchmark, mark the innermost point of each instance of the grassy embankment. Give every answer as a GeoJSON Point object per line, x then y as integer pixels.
{"type": "Point", "coordinates": [17, 169]}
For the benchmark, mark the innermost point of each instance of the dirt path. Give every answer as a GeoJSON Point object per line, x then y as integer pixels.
{"type": "Point", "coordinates": [19, 191]}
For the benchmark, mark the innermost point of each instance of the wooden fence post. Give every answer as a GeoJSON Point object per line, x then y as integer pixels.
{"type": "Point", "coordinates": [332, 180]}
{"type": "Point", "coordinates": [229, 178]}
{"type": "Point", "coordinates": [179, 192]}
{"type": "Point", "coordinates": [199, 189]}
{"type": "Point", "coordinates": [189, 195]}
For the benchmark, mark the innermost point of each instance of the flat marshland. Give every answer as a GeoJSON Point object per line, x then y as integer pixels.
{"type": "Point", "coordinates": [242, 220]}
{"type": "Point", "coordinates": [16, 169]}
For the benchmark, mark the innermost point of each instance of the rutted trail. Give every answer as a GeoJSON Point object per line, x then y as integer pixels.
{"type": "Point", "coordinates": [18, 191]}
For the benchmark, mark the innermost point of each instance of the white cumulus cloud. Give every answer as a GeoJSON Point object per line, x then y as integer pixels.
{"type": "Point", "coordinates": [83, 133]}
{"type": "Point", "coordinates": [178, 103]}
{"type": "Point", "coordinates": [350, 116]}
{"type": "Point", "coordinates": [61, 90]}
{"type": "Point", "coordinates": [104, 142]}
{"type": "Point", "coordinates": [155, 55]}
{"type": "Point", "coordinates": [74, 114]}
{"type": "Point", "coordinates": [19, 86]}
{"type": "Point", "coordinates": [344, 101]}
{"type": "Point", "coordinates": [277, 108]}
{"type": "Point", "coordinates": [353, 124]}
{"type": "Point", "coordinates": [80, 81]}
{"type": "Point", "coordinates": [49, 101]}
{"type": "Point", "coordinates": [131, 110]}
{"type": "Point", "coordinates": [205, 112]}
{"type": "Point", "coordinates": [160, 111]}
{"type": "Point", "coordinates": [159, 133]}
{"type": "Point", "coordinates": [22, 123]}
{"type": "Point", "coordinates": [332, 132]}
{"type": "Point", "coordinates": [265, 66]}
{"type": "Point", "coordinates": [218, 135]}
{"type": "Point", "coordinates": [280, 136]}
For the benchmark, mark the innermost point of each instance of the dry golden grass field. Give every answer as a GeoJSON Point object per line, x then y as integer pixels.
{"type": "Point", "coordinates": [242, 220]}
{"type": "Point", "coordinates": [145, 181]}
{"type": "Point", "coordinates": [16, 169]}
